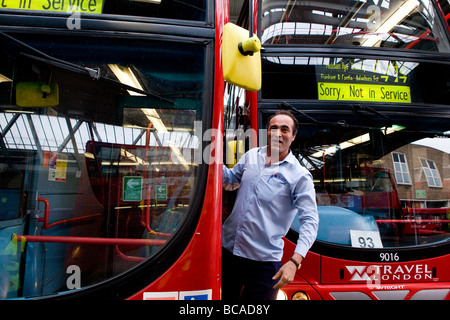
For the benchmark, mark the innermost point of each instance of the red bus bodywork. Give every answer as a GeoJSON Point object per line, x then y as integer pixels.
{"type": "Point", "coordinates": [199, 267]}
{"type": "Point", "coordinates": [325, 278]}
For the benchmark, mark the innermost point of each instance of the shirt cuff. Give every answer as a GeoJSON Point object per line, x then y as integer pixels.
{"type": "Point", "coordinates": [302, 249]}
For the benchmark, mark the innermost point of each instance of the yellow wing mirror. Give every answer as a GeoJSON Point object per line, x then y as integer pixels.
{"type": "Point", "coordinates": [241, 58]}
{"type": "Point", "coordinates": [37, 94]}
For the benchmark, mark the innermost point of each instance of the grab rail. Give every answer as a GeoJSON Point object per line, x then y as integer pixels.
{"type": "Point", "coordinates": [91, 240]}
{"type": "Point", "coordinates": [48, 225]}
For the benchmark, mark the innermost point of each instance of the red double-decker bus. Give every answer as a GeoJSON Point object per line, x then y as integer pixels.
{"type": "Point", "coordinates": [111, 121]}
{"type": "Point", "coordinates": [369, 84]}
{"type": "Point", "coordinates": [111, 116]}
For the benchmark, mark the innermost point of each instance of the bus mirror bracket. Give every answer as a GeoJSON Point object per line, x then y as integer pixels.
{"type": "Point", "coordinates": [249, 46]}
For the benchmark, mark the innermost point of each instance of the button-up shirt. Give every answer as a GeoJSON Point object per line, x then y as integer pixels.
{"type": "Point", "coordinates": [268, 199]}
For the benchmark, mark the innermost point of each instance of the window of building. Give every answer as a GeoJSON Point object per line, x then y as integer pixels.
{"type": "Point", "coordinates": [401, 168]}
{"type": "Point", "coordinates": [431, 173]}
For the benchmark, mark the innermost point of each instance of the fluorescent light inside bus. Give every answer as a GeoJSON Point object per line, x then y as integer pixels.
{"type": "Point", "coordinates": [354, 141]}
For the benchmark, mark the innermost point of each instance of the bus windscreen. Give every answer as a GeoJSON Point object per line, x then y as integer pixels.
{"type": "Point", "coordinates": [103, 178]}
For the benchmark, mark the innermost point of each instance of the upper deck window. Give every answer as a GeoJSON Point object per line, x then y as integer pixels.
{"type": "Point", "coordinates": [166, 9]}
{"type": "Point", "coordinates": [399, 24]}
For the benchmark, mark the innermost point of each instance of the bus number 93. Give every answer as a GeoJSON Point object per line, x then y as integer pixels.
{"type": "Point", "coordinates": [366, 242]}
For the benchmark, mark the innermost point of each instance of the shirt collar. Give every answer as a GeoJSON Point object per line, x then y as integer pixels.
{"type": "Point", "coordinates": [289, 158]}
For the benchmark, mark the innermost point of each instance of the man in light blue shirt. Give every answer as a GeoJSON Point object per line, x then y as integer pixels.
{"type": "Point", "coordinates": [273, 188]}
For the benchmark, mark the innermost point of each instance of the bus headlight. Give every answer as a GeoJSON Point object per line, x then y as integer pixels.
{"type": "Point", "coordinates": [300, 295]}
{"type": "Point", "coordinates": [281, 295]}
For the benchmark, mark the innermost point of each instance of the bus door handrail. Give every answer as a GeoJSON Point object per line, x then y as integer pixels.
{"type": "Point", "coordinates": [90, 240]}
{"type": "Point", "coordinates": [48, 225]}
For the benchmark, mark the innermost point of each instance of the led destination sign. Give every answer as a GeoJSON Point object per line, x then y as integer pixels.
{"type": "Point", "coordinates": [374, 81]}
{"type": "Point", "coordinates": [84, 6]}
{"type": "Point", "coordinates": [363, 92]}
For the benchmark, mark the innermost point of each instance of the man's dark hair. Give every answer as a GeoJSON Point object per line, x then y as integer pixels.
{"type": "Point", "coordinates": [287, 113]}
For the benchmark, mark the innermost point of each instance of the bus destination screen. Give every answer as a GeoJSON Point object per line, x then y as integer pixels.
{"type": "Point", "coordinates": [68, 6]}
{"type": "Point", "coordinates": [378, 81]}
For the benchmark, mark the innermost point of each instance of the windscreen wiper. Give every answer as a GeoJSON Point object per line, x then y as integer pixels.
{"type": "Point", "coordinates": [340, 123]}
{"type": "Point", "coordinates": [360, 107]}
{"type": "Point", "coordinates": [93, 73]}
{"type": "Point", "coordinates": [72, 67]}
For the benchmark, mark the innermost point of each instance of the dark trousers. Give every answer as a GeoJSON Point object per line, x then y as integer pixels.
{"type": "Point", "coordinates": [247, 280]}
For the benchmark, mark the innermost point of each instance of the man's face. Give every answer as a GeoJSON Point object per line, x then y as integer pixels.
{"type": "Point", "coordinates": [280, 135]}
